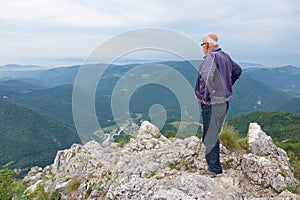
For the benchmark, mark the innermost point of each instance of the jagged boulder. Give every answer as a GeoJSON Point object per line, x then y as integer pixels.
{"type": "Point", "coordinates": [147, 137]}
{"type": "Point", "coordinates": [268, 165]}
{"type": "Point", "coordinates": [262, 144]}
{"type": "Point", "coordinates": [151, 129]}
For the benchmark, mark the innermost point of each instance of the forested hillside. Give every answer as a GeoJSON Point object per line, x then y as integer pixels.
{"type": "Point", "coordinates": [284, 128]}
{"type": "Point", "coordinates": [29, 138]}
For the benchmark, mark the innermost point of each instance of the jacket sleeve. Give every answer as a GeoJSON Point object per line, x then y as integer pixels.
{"type": "Point", "coordinates": [199, 89]}
{"type": "Point", "coordinates": [236, 72]}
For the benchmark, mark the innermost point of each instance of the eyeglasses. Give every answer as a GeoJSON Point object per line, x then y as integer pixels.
{"type": "Point", "coordinates": [204, 43]}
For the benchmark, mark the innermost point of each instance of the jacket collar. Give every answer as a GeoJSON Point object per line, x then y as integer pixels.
{"type": "Point", "coordinates": [214, 50]}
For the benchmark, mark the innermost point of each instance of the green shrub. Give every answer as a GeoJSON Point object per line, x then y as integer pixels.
{"type": "Point", "coordinates": [39, 193]}
{"type": "Point", "coordinates": [122, 143]}
{"type": "Point", "coordinates": [55, 195]}
{"type": "Point", "coordinates": [228, 164]}
{"type": "Point", "coordinates": [122, 139]}
{"type": "Point", "coordinates": [243, 142]}
{"type": "Point", "coordinates": [6, 182]}
{"type": "Point", "coordinates": [170, 134]}
{"type": "Point", "coordinates": [229, 138]}
{"type": "Point", "coordinates": [290, 188]}
{"type": "Point", "coordinates": [173, 165]}
{"type": "Point", "coordinates": [18, 189]}
{"type": "Point", "coordinates": [88, 192]}
{"type": "Point", "coordinates": [9, 185]}
{"type": "Point", "coordinates": [74, 184]}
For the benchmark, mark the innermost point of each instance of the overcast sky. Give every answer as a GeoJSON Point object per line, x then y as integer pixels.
{"type": "Point", "coordinates": [257, 31]}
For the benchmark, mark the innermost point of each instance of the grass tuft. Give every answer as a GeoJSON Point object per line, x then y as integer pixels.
{"type": "Point", "coordinates": [229, 138]}
{"type": "Point", "coordinates": [74, 184]}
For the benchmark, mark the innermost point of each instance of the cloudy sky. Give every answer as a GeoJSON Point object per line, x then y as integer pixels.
{"type": "Point", "coordinates": [49, 31]}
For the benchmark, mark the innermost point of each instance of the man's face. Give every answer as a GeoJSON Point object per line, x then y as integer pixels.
{"type": "Point", "coordinates": [205, 47]}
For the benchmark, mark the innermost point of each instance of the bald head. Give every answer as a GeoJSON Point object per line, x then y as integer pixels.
{"type": "Point", "coordinates": [213, 36]}
{"type": "Point", "coordinates": [211, 39]}
{"type": "Point", "coordinates": [209, 42]}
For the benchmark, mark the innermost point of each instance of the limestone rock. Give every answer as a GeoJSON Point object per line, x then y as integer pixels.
{"type": "Point", "coordinates": [151, 166]}
{"type": "Point", "coordinates": [270, 165]}
{"type": "Point", "coordinates": [109, 140]}
{"type": "Point", "coordinates": [148, 128]}
{"type": "Point", "coordinates": [148, 137]}
{"type": "Point", "coordinates": [33, 175]}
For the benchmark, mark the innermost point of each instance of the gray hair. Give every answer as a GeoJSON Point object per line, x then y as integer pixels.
{"type": "Point", "coordinates": [211, 41]}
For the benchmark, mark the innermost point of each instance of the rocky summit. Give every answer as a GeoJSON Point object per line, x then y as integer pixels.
{"type": "Point", "coordinates": [151, 166]}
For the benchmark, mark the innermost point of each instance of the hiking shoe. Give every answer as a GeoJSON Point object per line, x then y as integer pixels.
{"type": "Point", "coordinates": [208, 173]}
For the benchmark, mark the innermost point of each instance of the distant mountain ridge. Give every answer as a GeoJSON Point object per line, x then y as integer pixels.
{"type": "Point", "coordinates": [48, 93]}
{"type": "Point", "coordinates": [291, 106]}
{"type": "Point", "coordinates": [259, 89]}
{"type": "Point", "coordinates": [20, 67]}
{"type": "Point", "coordinates": [245, 65]}
{"type": "Point", "coordinates": [286, 78]}
{"type": "Point", "coordinates": [29, 138]}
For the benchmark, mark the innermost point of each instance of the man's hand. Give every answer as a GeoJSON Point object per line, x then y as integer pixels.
{"type": "Point", "coordinates": [204, 102]}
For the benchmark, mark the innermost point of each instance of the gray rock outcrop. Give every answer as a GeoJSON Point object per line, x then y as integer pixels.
{"type": "Point", "coordinates": [151, 166]}
{"type": "Point", "coordinates": [267, 165]}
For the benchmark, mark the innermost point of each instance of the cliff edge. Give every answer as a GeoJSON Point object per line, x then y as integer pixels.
{"type": "Point", "coordinates": [151, 166]}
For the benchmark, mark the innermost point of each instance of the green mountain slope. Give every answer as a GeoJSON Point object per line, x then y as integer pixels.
{"type": "Point", "coordinates": [291, 106]}
{"type": "Point", "coordinates": [16, 84]}
{"type": "Point", "coordinates": [28, 138]}
{"type": "Point", "coordinates": [284, 128]}
{"type": "Point", "coordinates": [281, 126]}
{"type": "Point", "coordinates": [55, 102]}
{"type": "Point", "coordinates": [250, 95]}
{"type": "Point", "coordinates": [285, 78]}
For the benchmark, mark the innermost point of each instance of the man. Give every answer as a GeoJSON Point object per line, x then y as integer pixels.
{"type": "Point", "coordinates": [217, 74]}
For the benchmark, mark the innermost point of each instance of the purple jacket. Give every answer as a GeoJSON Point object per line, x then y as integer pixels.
{"type": "Point", "coordinates": [216, 76]}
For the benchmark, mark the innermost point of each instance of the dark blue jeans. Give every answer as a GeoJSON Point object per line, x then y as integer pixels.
{"type": "Point", "coordinates": [213, 119]}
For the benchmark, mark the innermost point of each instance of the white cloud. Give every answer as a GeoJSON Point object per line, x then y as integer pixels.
{"type": "Point", "coordinates": [53, 12]}
{"type": "Point", "coordinates": [36, 24]}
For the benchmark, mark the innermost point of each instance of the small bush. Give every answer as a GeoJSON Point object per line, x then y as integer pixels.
{"type": "Point", "coordinates": [6, 181]}
{"type": "Point", "coordinates": [9, 185]}
{"type": "Point", "coordinates": [170, 134]}
{"type": "Point", "coordinates": [173, 165]}
{"type": "Point", "coordinates": [18, 188]}
{"type": "Point", "coordinates": [229, 138]}
{"type": "Point", "coordinates": [228, 163]}
{"type": "Point", "coordinates": [122, 143]}
{"type": "Point", "coordinates": [243, 142]}
{"type": "Point", "coordinates": [88, 192]}
{"type": "Point", "coordinates": [290, 188]}
{"type": "Point", "coordinates": [122, 139]}
{"type": "Point", "coordinates": [55, 195]}
{"type": "Point", "coordinates": [39, 193]}
{"type": "Point", "coordinates": [74, 184]}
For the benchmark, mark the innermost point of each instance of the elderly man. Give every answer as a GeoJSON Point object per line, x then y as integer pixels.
{"type": "Point", "coordinates": [217, 74]}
